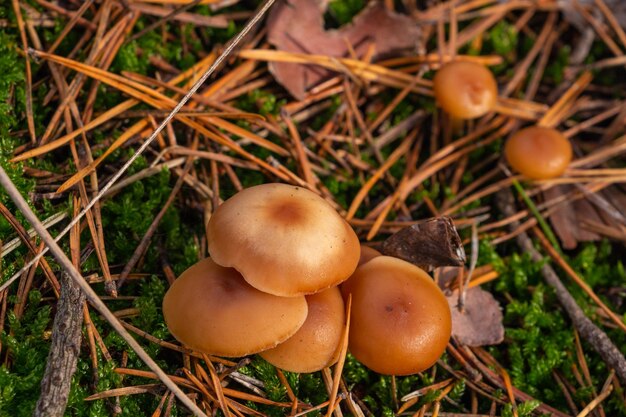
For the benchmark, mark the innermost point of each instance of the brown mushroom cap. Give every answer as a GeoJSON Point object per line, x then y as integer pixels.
{"type": "Point", "coordinates": [466, 90]}
{"type": "Point", "coordinates": [213, 310]}
{"type": "Point", "coordinates": [284, 240]}
{"type": "Point", "coordinates": [367, 253]}
{"type": "Point", "coordinates": [538, 152]}
{"type": "Point", "coordinates": [400, 321]}
{"type": "Point", "coordinates": [316, 345]}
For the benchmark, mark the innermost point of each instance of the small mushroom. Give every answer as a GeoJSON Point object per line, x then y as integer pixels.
{"type": "Point", "coordinates": [400, 321]}
{"type": "Point", "coordinates": [538, 152]}
{"type": "Point", "coordinates": [284, 240]}
{"type": "Point", "coordinates": [367, 254]}
{"type": "Point", "coordinates": [466, 90]}
{"type": "Point", "coordinates": [213, 310]}
{"type": "Point", "coordinates": [316, 344]}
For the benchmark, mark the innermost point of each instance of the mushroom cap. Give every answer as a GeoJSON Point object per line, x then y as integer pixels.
{"type": "Point", "coordinates": [213, 310]}
{"type": "Point", "coordinates": [466, 90]}
{"type": "Point", "coordinates": [400, 320]}
{"type": "Point", "coordinates": [367, 253]}
{"type": "Point", "coordinates": [316, 344]}
{"type": "Point", "coordinates": [538, 152]}
{"type": "Point", "coordinates": [284, 240]}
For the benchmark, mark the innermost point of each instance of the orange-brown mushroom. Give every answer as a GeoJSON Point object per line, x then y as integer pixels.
{"type": "Point", "coordinates": [316, 344]}
{"type": "Point", "coordinates": [464, 89]}
{"type": "Point", "coordinates": [367, 254]}
{"type": "Point", "coordinates": [284, 240]}
{"type": "Point", "coordinates": [212, 309]}
{"type": "Point", "coordinates": [538, 152]}
{"type": "Point", "coordinates": [400, 321]}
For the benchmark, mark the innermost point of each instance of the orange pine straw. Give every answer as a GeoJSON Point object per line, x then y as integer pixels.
{"type": "Point", "coordinates": [332, 401]}
{"type": "Point", "coordinates": [305, 166]}
{"type": "Point", "coordinates": [154, 98]}
{"type": "Point", "coordinates": [83, 172]}
{"type": "Point", "coordinates": [290, 394]}
{"type": "Point", "coordinates": [369, 184]}
{"type": "Point", "coordinates": [157, 412]}
{"type": "Point", "coordinates": [406, 186]}
{"type": "Point", "coordinates": [199, 385]}
{"type": "Point", "coordinates": [434, 59]}
{"type": "Point", "coordinates": [389, 77]}
{"type": "Point", "coordinates": [103, 118]}
{"type": "Point", "coordinates": [111, 113]}
{"type": "Point", "coordinates": [509, 388]}
{"type": "Point", "coordinates": [554, 115]}
{"type": "Point", "coordinates": [160, 101]}
{"type": "Point", "coordinates": [217, 386]}
{"type": "Point", "coordinates": [483, 279]}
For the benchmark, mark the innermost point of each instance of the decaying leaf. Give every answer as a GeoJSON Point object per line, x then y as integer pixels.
{"type": "Point", "coordinates": [572, 14]}
{"type": "Point", "coordinates": [570, 221]}
{"type": "Point", "coordinates": [480, 322]}
{"type": "Point", "coordinates": [298, 26]}
{"type": "Point", "coordinates": [429, 244]}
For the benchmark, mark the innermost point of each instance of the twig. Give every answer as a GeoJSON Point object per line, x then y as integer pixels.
{"type": "Point", "coordinates": [589, 331]}
{"type": "Point", "coordinates": [64, 350]}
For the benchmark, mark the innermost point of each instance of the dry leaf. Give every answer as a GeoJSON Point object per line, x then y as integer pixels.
{"type": "Point", "coordinates": [480, 323]}
{"type": "Point", "coordinates": [572, 15]}
{"type": "Point", "coordinates": [428, 244]}
{"type": "Point", "coordinates": [570, 220]}
{"type": "Point", "coordinates": [298, 26]}
{"type": "Point", "coordinates": [567, 219]}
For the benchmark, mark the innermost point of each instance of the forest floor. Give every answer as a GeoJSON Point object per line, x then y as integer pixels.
{"type": "Point", "coordinates": [339, 101]}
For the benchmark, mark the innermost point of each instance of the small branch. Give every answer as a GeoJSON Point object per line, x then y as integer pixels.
{"type": "Point", "coordinates": [589, 331]}
{"type": "Point", "coordinates": [64, 350]}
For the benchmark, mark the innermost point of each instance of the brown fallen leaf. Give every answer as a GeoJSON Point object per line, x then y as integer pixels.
{"type": "Point", "coordinates": [571, 13]}
{"type": "Point", "coordinates": [429, 244]}
{"type": "Point", "coordinates": [298, 26]}
{"type": "Point", "coordinates": [567, 219]}
{"type": "Point", "coordinates": [571, 221]}
{"type": "Point", "coordinates": [480, 323]}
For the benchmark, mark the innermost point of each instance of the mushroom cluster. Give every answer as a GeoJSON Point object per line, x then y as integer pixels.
{"type": "Point", "coordinates": [271, 286]}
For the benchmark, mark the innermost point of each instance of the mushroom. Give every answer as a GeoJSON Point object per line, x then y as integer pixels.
{"type": "Point", "coordinates": [367, 254]}
{"type": "Point", "coordinates": [400, 321]}
{"type": "Point", "coordinates": [538, 152]}
{"type": "Point", "coordinates": [464, 89]}
{"type": "Point", "coordinates": [284, 240]}
{"type": "Point", "coordinates": [213, 310]}
{"type": "Point", "coordinates": [316, 344]}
